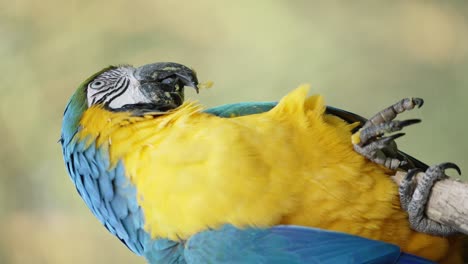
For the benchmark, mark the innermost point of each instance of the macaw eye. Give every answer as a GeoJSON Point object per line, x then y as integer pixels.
{"type": "Point", "coordinates": [97, 84]}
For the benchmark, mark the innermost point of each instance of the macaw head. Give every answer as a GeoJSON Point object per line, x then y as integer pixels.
{"type": "Point", "coordinates": [156, 87]}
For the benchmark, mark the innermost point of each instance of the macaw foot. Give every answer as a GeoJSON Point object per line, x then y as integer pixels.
{"type": "Point", "coordinates": [413, 199]}
{"type": "Point", "coordinates": [369, 140]}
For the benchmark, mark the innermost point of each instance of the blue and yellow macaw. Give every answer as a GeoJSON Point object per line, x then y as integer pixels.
{"type": "Point", "coordinates": [243, 183]}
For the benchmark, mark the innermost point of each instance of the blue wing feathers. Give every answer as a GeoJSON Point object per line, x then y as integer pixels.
{"type": "Point", "coordinates": [91, 187]}
{"type": "Point", "coordinates": [106, 189]}
{"type": "Point", "coordinates": [130, 226]}
{"type": "Point", "coordinates": [341, 248]}
{"type": "Point", "coordinates": [412, 259]}
{"type": "Point", "coordinates": [133, 206]}
{"type": "Point", "coordinates": [289, 244]}
{"type": "Point", "coordinates": [165, 251]}
{"type": "Point", "coordinates": [241, 109]}
{"type": "Point", "coordinates": [119, 205]}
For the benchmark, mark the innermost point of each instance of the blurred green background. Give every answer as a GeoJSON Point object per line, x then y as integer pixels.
{"type": "Point", "coordinates": [361, 55]}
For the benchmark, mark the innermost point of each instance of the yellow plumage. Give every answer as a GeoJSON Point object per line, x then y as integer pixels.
{"type": "Point", "coordinates": [291, 165]}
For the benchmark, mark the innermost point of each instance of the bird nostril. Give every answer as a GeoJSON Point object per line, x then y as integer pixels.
{"type": "Point", "coordinates": [169, 80]}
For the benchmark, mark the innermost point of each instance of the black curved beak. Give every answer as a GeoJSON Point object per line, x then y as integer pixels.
{"type": "Point", "coordinates": [163, 83]}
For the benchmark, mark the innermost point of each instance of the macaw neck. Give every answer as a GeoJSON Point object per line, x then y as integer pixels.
{"type": "Point", "coordinates": [120, 132]}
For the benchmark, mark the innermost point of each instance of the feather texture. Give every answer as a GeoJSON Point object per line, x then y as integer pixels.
{"type": "Point", "coordinates": [290, 244]}
{"type": "Point", "coordinates": [172, 176]}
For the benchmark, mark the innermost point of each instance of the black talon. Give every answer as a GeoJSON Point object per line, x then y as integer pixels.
{"type": "Point", "coordinates": [411, 173]}
{"type": "Point", "coordinates": [450, 165]}
{"type": "Point", "coordinates": [387, 140]}
{"type": "Point", "coordinates": [395, 136]}
{"type": "Point", "coordinates": [409, 122]}
{"type": "Point", "coordinates": [418, 101]}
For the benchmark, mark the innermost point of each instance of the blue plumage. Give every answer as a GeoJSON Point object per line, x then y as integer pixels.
{"type": "Point", "coordinates": [109, 199]}
{"type": "Point", "coordinates": [241, 109]}
{"type": "Point", "coordinates": [290, 244]}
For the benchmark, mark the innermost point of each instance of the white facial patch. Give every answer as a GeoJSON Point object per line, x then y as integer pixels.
{"type": "Point", "coordinates": [132, 95]}
{"type": "Point", "coordinates": [116, 87]}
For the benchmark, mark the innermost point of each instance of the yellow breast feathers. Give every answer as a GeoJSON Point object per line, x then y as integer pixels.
{"type": "Point", "coordinates": [193, 170]}
{"type": "Point", "coordinates": [291, 165]}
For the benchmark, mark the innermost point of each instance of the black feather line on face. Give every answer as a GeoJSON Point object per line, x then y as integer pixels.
{"type": "Point", "coordinates": [100, 101]}
{"type": "Point", "coordinates": [119, 84]}
{"type": "Point", "coordinates": [123, 90]}
{"type": "Point", "coordinates": [104, 90]}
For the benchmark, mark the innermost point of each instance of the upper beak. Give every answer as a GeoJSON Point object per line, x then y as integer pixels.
{"type": "Point", "coordinates": [163, 83]}
{"type": "Point", "coordinates": [167, 73]}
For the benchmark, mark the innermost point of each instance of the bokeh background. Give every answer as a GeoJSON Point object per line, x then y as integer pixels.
{"type": "Point", "coordinates": [361, 55]}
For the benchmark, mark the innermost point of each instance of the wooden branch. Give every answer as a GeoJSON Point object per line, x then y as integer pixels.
{"type": "Point", "coordinates": [448, 203]}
